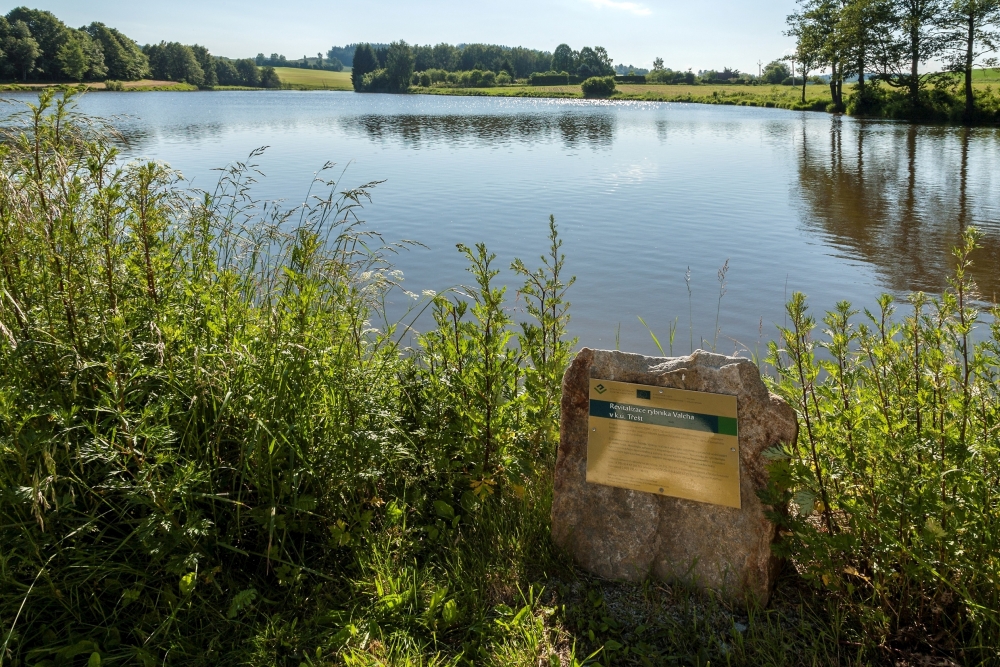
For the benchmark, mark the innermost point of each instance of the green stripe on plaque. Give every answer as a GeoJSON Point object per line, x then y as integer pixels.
{"type": "Point", "coordinates": [727, 426]}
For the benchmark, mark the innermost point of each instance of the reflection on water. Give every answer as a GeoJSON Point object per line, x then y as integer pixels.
{"type": "Point", "coordinates": [492, 129]}
{"type": "Point", "coordinates": [899, 197]}
{"type": "Point", "coordinates": [830, 206]}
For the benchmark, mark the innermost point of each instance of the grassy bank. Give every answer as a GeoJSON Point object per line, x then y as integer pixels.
{"type": "Point", "coordinates": [940, 102]}
{"type": "Point", "coordinates": [817, 97]}
{"type": "Point", "coordinates": [214, 451]}
{"type": "Point", "coordinates": [141, 85]}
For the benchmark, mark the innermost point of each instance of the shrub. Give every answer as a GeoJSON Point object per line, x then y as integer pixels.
{"type": "Point", "coordinates": [504, 79]}
{"type": "Point", "coordinates": [598, 86]}
{"type": "Point", "coordinates": [437, 75]}
{"type": "Point", "coordinates": [377, 82]}
{"type": "Point", "coordinates": [112, 85]}
{"type": "Point", "coordinates": [893, 479]}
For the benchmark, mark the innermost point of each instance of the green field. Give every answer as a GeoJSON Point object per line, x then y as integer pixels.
{"type": "Point", "coordinates": [984, 76]}
{"type": "Point", "coordinates": [314, 79]}
{"type": "Point", "coordinates": [785, 97]}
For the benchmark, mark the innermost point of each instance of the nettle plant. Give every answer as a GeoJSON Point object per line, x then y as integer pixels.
{"type": "Point", "coordinates": [487, 397]}
{"type": "Point", "coordinates": [893, 481]}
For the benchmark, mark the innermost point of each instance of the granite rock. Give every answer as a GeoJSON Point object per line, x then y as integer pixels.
{"type": "Point", "coordinates": [624, 534]}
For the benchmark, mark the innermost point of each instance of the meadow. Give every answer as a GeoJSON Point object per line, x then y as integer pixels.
{"type": "Point", "coordinates": [215, 450]}
{"type": "Point", "coordinates": [817, 96]}
{"type": "Point", "coordinates": [295, 78]}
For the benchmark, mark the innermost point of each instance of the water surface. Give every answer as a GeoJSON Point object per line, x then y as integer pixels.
{"type": "Point", "coordinates": [830, 206]}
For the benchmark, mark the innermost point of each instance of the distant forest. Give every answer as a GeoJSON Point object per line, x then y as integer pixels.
{"type": "Point", "coordinates": [519, 61]}
{"type": "Point", "coordinates": [36, 46]}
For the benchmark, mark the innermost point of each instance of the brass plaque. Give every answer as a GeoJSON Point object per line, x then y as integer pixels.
{"type": "Point", "coordinates": [670, 442]}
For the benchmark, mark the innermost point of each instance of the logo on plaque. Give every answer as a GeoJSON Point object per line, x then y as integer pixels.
{"type": "Point", "coordinates": [671, 442]}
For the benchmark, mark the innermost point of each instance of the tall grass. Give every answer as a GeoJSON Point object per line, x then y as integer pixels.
{"type": "Point", "coordinates": [209, 434]}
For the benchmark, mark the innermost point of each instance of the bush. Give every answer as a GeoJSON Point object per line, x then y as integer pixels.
{"type": "Point", "coordinates": [937, 104]}
{"type": "Point", "coordinates": [598, 86]}
{"type": "Point", "coordinates": [504, 79]}
{"type": "Point", "coordinates": [377, 82]}
{"type": "Point", "coordinates": [112, 85]}
{"type": "Point", "coordinates": [893, 478]}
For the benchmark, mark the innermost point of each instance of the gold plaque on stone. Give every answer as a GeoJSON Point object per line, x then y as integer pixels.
{"type": "Point", "coordinates": [670, 442]}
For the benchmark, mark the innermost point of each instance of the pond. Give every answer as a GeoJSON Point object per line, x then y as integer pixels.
{"type": "Point", "coordinates": [643, 193]}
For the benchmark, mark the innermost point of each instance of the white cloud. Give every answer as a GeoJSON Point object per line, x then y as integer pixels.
{"type": "Point", "coordinates": [631, 7]}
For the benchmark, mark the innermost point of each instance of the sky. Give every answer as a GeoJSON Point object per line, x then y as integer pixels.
{"type": "Point", "coordinates": [705, 34]}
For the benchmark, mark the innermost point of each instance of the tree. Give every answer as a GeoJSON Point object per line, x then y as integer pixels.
{"type": "Point", "coordinates": [248, 72]}
{"type": "Point", "coordinates": [423, 57]}
{"type": "Point", "coordinates": [73, 58]}
{"type": "Point", "coordinates": [910, 40]}
{"type": "Point", "coordinates": [364, 63]}
{"type": "Point", "coordinates": [399, 66]}
{"type": "Point", "coordinates": [658, 64]}
{"type": "Point", "coordinates": [49, 34]}
{"type": "Point", "coordinates": [862, 26]}
{"type": "Point", "coordinates": [173, 61]}
{"type": "Point", "coordinates": [563, 59]}
{"type": "Point", "coordinates": [445, 57]}
{"type": "Point", "coordinates": [969, 31]}
{"type": "Point", "coordinates": [20, 48]}
{"type": "Point", "coordinates": [808, 47]}
{"type": "Point", "coordinates": [820, 19]}
{"type": "Point", "coordinates": [122, 56]}
{"type": "Point", "coordinates": [269, 78]}
{"type": "Point", "coordinates": [225, 72]}
{"type": "Point", "coordinates": [594, 62]}
{"type": "Point", "coordinates": [207, 63]}
{"type": "Point", "coordinates": [607, 65]}
{"type": "Point", "coordinates": [344, 54]}
{"type": "Point", "coordinates": [775, 71]}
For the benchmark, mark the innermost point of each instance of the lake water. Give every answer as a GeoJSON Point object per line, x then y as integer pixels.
{"type": "Point", "coordinates": [830, 206]}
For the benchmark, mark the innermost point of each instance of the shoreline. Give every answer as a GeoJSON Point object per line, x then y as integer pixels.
{"type": "Point", "coordinates": [771, 96]}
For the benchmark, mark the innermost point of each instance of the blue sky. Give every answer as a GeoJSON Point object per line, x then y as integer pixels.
{"type": "Point", "coordinates": [709, 34]}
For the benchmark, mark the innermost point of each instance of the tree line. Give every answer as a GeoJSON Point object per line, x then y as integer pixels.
{"type": "Point", "coordinates": [518, 61]}
{"type": "Point", "coordinates": [390, 68]}
{"type": "Point", "coordinates": [35, 45]}
{"type": "Point", "coordinates": [172, 61]}
{"type": "Point", "coordinates": [329, 63]}
{"type": "Point", "coordinates": [892, 42]}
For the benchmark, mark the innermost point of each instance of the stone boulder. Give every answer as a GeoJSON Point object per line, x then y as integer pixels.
{"type": "Point", "coordinates": [619, 533]}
